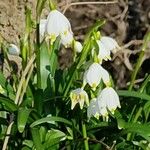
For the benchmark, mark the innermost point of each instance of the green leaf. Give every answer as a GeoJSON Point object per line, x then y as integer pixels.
{"type": "Point", "coordinates": [7, 87]}
{"type": "Point", "coordinates": [36, 139]}
{"type": "Point", "coordinates": [140, 129]}
{"type": "Point", "coordinates": [39, 7]}
{"type": "Point", "coordinates": [51, 120]}
{"type": "Point", "coordinates": [42, 132]}
{"type": "Point", "coordinates": [9, 104]}
{"type": "Point", "coordinates": [135, 94]}
{"type": "Point", "coordinates": [28, 143]}
{"type": "Point", "coordinates": [25, 148]}
{"type": "Point", "coordinates": [53, 138]}
{"type": "Point", "coordinates": [44, 65]}
{"type": "Point", "coordinates": [54, 56]}
{"type": "Point", "coordinates": [146, 41]}
{"type": "Point", "coordinates": [23, 114]}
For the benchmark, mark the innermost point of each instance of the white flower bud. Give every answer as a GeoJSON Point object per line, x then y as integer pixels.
{"type": "Point", "coordinates": [77, 46]}
{"type": "Point", "coordinates": [13, 50]}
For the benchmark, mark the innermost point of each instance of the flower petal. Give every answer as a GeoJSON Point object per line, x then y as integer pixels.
{"type": "Point", "coordinates": [78, 96]}
{"type": "Point", "coordinates": [42, 26]}
{"type": "Point", "coordinates": [104, 53]}
{"type": "Point", "coordinates": [93, 75]}
{"type": "Point", "coordinates": [109, 43]}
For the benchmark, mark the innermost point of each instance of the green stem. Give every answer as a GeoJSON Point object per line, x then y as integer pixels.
{"type": "Point", "coordinates": [138, 65]}
{"type": "Point", "coordinates": [86, 145]}
{"type": "Point", "coordinates": [76, 67]}
{"type": "Point", "coordinates": [38, 54]}
{"type": "Point", "coordinates": [129, 135]}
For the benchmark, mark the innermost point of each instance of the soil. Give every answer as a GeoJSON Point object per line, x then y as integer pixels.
{"type": "Point", "coordinates": [125, 21]}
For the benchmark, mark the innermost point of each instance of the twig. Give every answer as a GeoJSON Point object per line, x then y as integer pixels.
{"type": "Point", "coordinates": [133, 42]}
{"type": "Point", "coordinates": [101, 142]}
{"type": "Point", "coordinates": [89, 3]}
{"type": "Point", "coordinates": [25, 85]}
{"type": "Point", "coordinates": [23, 78]}
{"type": "Point", "coordinates": [7, 137]}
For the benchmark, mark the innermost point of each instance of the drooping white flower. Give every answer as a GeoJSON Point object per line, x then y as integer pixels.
{"type": "Point", "coordinates": [106, 46]}
{"type": "Point", "coordinates": [79, 96]}
{"type": "Point", "coordinates": [66, 39]}
{"type": "Point", "coordinates": [77, 46]}
{"type": "Point", "coordinates": [104, 53]}
{"type": "Point", "coordinates": [58, 24]}
{"type": "Point", "coordinates": [108, 99]}
{"type": "Point", "coordinates": [42, 27]}
{"type": "Point", "coordinates": [13, 50]}
{"type": "Point", "coordinates": [109, 43]}
{"type": "Point", "coordinates": [93, 109]}
{"type": "Point", "coordinates": [94, 75]}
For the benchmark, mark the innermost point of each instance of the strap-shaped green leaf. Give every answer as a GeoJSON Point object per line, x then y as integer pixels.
{"type": "Point", "coordinates": [23, 114]}
{"type": "Point", "coordinates": [50, 120]}
{"type": "Point", "coordinates": [9, 104]}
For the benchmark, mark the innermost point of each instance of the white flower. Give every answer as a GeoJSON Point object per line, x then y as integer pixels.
{"type": "Point", "coordinates": [13, 50]}
{"type": "Point", "coordinates": [58, 24]}
{"type": "Point", "coordinates": [77, 46]}
{"type": "Point", "coordinates": [106, 46]}
{"type": "Point", "coordinates": [109, 43]}
{"type": "Point", "coordinates": [93, 109]}
{"type": "Point", "coordinates": [104, 53]}
{"type": "Point", "coordinates": [78, 96]}
{"type": "Point", "coordinates": [94, 75]}
{"type": "Point", "coordinates": [108, 99]}
{"type": "Point", "coordinates": [42, 27]}
{"type": "Point", "coordinates": [66, 39]}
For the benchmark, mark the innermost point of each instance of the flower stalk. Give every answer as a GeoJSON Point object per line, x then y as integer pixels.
{"type": "Point", "coordinates": [86, 145]}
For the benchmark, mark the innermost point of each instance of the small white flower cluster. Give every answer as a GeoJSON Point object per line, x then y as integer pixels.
{"type": "Point", "coordinates": [56, 25]}
{"type": "Point", "coordinates": [107, 99]}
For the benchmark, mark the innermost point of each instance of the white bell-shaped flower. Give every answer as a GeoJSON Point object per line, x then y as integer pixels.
{"type": "Point", "coordinates": [79, 96]}
{"type": "Point", "coordinates": [93, 109]}
{"type": "Point", "coordinates": [94, 75]}
{"type": "Point", "coordinates": [58, 24]}
{"type": "Point", "coordinates": [109, 43]}
{"type": "Point", "coordinates": [42, 27]}
{"type": "Point", "coordinates": [66, 39]}
{"type": "Point", "coordinates": [106, 46]}
{"type": "Point", "coordinates": [13, 50]}
{"type": "Point", "coordinates": [104, 53]}
{"type": "Point", "coordinates": [77, 46]}
{"type": "Point", "coordinates": [108, 99]}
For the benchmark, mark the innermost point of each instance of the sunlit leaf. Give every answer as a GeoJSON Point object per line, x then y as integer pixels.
{"type": "Point", "coordinates": [51, 120]}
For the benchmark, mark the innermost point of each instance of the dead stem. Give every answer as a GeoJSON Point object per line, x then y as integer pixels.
{"type": "Point", "coordinates": [88, 3]}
